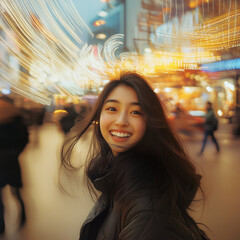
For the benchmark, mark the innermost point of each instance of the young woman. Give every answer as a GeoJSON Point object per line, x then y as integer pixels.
{"type": "Point", "coordinates": [144, 178]}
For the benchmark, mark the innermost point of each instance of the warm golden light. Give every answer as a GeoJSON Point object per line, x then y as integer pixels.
{"type": "Point", "coordinates": [99, 23]}
{"type": "Point", "coordinates": [101, 36]}
{"type": "Point", "coordinates": [195, 3]}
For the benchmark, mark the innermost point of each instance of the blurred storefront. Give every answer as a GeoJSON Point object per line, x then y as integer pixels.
{"type": "Point", "coordinates": [74, 52]}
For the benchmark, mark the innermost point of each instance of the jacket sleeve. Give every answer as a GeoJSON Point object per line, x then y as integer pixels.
{"type": "Point", "coordinates": [154, 226]}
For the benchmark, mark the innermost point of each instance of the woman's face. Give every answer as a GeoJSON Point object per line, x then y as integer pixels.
{"type": "Point", "coordinates": [122, 122]}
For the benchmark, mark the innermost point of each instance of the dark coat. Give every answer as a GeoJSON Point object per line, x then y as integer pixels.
{"type": "Point", "coordinates": [13, 138]}
{"type": "Point", "coordinates": [143, 218]}
{"type": "Point", "coordinates": [210, 120]}
{"type": "Point", "coordinates": [67, 122]}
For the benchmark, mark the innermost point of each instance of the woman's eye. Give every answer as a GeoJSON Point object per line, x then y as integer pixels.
{"type": "Point", "coordinates": [111, 109]}
{"type": "Point", "coordinates": [136, 113]}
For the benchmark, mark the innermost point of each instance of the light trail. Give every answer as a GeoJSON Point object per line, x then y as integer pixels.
{"type": "Point", "coordinates": [48, 45]}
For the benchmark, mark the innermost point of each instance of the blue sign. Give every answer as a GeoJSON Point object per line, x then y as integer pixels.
{"type": "Point", "coordinates": [221, 65]}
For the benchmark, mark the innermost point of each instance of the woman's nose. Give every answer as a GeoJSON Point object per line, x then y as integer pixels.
{"type": "Point", "coordinates": [122, 119]}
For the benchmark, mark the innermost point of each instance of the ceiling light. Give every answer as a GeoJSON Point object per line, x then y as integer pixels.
{"type": "Point", "coordinates": [99, 23]}
{"type": "Point", "coordinates": [102, 14]}
{"type": "Point", "coordinates": [6, 91]}
{"type": "Point", "coordinates": [101, 36]}
{"type": "Point", "coordinates": [148, 50]}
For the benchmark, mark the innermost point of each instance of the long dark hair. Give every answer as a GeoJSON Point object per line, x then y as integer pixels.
{"type": "Point", "coordinates": [159, 159]}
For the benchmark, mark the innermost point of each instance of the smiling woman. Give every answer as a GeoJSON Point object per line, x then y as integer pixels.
{"type": "Point", "coordinates": [139, 167]}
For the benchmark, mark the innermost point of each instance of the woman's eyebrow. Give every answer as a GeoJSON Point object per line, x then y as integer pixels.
{"type": "Point", "coordinates": [135, 103]}
{"type": "Point", "coordinates": [116, 101]}
{"type": "Point", "coordinates": [111, 100]}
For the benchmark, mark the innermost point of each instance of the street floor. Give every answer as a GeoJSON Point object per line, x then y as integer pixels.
{"type": "Point", "coordinates": [54, 215]}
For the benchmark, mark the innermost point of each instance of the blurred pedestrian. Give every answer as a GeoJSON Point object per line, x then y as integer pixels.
{"type": "Point", "coordinates": [13, 139]}
{"type": "Point", "coordinates": [145, 179]}
{"type": "Point", "coordinates": [179, 110]}
{"type": "Point", "coordinates": [210, 126]}
{"type": "Point", "coordinates": [37, 115]}
{"type": "Point", "coordinates": [184, 122]}
{"type": "Point", "coordinates": [67, 121]}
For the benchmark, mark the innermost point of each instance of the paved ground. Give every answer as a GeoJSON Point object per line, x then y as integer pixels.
{"type": "Point", "coordinates": [53, 215]}
{"type": "Point", "coordinates": [221, 178]}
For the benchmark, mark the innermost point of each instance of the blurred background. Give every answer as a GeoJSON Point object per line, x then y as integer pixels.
{"type": "Point", "coordinates": [56, 56]}
{"type": "Point", "coordinates": [57, 52]}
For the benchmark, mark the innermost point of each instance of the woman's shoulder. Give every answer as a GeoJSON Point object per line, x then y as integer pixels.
{"type": "Point", "coordinates": [143, 200]}
{"type": "Point", "coordinates": [146, 217]}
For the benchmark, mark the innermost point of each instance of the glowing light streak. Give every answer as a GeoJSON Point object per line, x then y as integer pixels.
{"type": "Point", "coordinates": [55, 60]}
{"type": "Point", "coordinates": [217, 33]}
{"type": "Point", "coordinates": [44, 49]}
{"type": "Point", "coordinates": [160, 61]}
{"type": "Point", "coordinates": [55, 56]}
{"type": "Point", "coordinates": [110, 47]}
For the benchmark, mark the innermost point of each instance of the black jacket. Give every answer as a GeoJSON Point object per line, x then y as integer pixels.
{"type": "Point", "coordinates": [210, 120]}
{"type": "Point", "coordinates": [142, 218]}
{"type": "Point", "coordinates": [14, 137]}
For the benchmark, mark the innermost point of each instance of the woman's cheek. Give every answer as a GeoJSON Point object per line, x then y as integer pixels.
{"type": "Point", "coordinates": [103, 123]}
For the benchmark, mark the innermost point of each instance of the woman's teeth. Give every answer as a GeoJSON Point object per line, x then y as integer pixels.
{"type": "Point", "coordinates": [120, 134]}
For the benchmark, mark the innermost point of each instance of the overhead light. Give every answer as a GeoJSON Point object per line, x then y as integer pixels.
{"type": "Point", "coordinates": [6, 91]}
{"type": "Point", "coordinates": [209, 89]}
{"type": "Point", "coordinates": [99, 23]}
{"type": "Point", "coordinates": [102, 14]}
{"type": "Point", "coordinates": [167, 89]}
{"type": "Point", "coordinates": [101, 36]}
{"type": "Point", "coordinates": [220, 112]}
{"type": "Point", "coordinates": [229, 85]}
{"type": "Point", "coordinates": [147, 50]}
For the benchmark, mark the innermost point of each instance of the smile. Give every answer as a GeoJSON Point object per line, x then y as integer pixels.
{"type": "Point", "coordinates": [120, 134]}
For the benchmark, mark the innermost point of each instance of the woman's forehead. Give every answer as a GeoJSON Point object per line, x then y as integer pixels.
{"type": "Point", "coordinates": [123, 93]}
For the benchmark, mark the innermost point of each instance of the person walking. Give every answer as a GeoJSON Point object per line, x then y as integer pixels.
{"type": "Point", "coordinates": [210, 126]}
{"type": "Point", "coordinates": [13, 138]}
{"type": "Point", "coordinates": [143, 179]}
{"type": "Point", "coordinates": [67, 122]}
